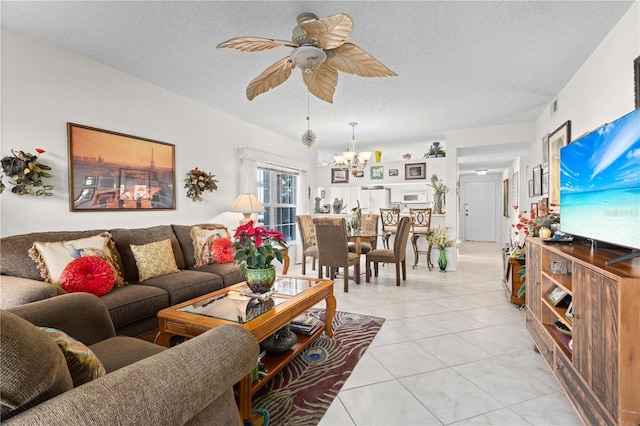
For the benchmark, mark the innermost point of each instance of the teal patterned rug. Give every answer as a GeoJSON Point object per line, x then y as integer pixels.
{"type": "Point", "coordinates": [303, 391]}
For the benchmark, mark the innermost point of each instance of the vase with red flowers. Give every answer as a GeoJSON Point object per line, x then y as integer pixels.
{"type": "Point", "coordinates": [256, 247]}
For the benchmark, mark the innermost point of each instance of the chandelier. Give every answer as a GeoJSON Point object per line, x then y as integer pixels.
{"type": "Point", "coordinates": [351, 159]}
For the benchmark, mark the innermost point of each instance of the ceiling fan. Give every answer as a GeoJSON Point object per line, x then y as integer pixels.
{"type": "Point", "coordinates": [320, 50]}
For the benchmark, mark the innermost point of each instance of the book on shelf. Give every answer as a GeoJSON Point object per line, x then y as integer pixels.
{"type": "Point", "coordinates": [305, 324]}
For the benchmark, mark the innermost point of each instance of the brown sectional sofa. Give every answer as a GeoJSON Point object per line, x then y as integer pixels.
{"type": "Point", "coordinates": [133, 308]}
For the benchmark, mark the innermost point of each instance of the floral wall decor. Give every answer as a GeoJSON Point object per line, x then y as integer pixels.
{"type": "Point", "coordinates": [25, 173]}
{"type": "Point", "coordinates": [198, 181]}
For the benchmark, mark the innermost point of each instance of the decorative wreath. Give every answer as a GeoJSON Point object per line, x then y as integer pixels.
{"type": "Point", "coordinates": [221, 250]}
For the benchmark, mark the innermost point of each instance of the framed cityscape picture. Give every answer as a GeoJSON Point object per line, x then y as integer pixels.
{"type": "Point", "coordinates": [114, 171]}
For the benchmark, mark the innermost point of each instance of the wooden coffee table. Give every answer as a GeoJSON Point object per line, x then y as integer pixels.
{"type": "Point", "coordinates": [295, 295]}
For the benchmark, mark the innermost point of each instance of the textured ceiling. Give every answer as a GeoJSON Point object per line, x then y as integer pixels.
{"type": "Point", "coordinates": [460, 64]}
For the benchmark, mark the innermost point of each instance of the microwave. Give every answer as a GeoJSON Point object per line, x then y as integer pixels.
{"type": "Point", "coordinates": [414, 197]}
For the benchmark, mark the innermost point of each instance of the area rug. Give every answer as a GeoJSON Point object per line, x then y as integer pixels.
{"type": "Point", "coordinates": [303, 391]}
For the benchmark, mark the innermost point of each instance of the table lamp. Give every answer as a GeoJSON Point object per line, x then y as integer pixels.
{"type": "Point", "coordinates": [247, 204]}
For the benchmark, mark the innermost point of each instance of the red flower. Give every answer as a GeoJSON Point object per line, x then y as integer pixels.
{"type": "Point", "coordinates": [40, 150]}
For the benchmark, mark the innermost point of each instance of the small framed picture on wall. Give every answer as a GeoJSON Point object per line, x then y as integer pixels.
{"type": "Point", "coordinates": [339, 175]}
{"type": "Point", "coordinates": [415, 171]}
{"type": "Point", "coordinates": [537, 180]}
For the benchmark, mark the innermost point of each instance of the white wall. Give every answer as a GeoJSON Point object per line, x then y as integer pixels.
{"type": "Point", "coordinates": [44, 87]}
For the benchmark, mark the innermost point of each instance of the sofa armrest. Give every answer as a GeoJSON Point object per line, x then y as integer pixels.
{"type": "Point", "coordinates": [169, 388]}
{"type": "Point", "coordinates": [16, 291]}
{"type": "Point", "coordinates": [82, 316]}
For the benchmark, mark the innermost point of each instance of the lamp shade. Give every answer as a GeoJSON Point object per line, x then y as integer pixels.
{"type": "Point", "coordinates": [247, 203]}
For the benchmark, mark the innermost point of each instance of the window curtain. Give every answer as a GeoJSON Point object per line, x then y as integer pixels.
{"type": "Point", "coordinates": [248, 182]}
{"type": "Point", "coordinates": [302, 205]}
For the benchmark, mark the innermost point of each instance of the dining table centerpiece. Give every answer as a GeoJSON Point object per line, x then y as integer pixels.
{"type": "Point", "coordinates": [256, 247]}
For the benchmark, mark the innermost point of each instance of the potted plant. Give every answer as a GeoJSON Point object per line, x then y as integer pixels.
{"type": "Point", "coordinates": [439, 189]}
{"type": "Point", "coordinates": [439, 239]}
{"type": "Point", "coordinates": [27, 172]}
{"type": "Point", "coordinates": [256, 248]}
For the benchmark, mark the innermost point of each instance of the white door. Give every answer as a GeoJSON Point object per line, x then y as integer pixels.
{"type": "Point", "coordinates": [480, 211]}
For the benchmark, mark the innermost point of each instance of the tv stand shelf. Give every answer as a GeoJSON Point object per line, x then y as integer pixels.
{"type": "Point", "coordinates": [599, 364]}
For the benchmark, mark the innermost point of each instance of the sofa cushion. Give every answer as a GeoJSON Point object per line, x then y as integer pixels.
{"type": "Point", "coordinates": [186, 284]}
{"type": "Point", "coordinates": [33, 368]}
{"type": "Point", "coordinates": [229, 272]}
{"type": "Point", "coordinates": [82, 363]}
{"type": "Point", "coordinates": [154, 259]}
{"type": "Point", "coordinates": [123, 239]}
{"type": "Point", "coordinates": [15, 291]}
{"type": "Point", "coordinates": [120, 351]}
{"type": "Point", "coordinates": [14, 258]}
{"type": "Point", "coordinates": [89, 274]}
{"type": "Point", "coordinates": [203, 239]}
{"type": "Point", "coordinates": [53, 257]}
{"type": "Point", "coordinates": [134, 302]}
{"type": "Point", "coordinates": [183, 234]}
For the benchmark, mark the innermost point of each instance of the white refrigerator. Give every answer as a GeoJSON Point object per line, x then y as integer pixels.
{"type": "Point", "coordinates": [372, 200]}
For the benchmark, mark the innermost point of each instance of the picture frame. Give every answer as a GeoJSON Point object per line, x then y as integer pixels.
{"type": "Point", "coordinates": [540, 211]}
{"type": "Point", "coordinates": [118, 172]}
{"type": "Point", "coordinates": [339, 175]}
{"type": "Point", "coordinates": [569, 312]}
{"type": "Point", "coordinates": [557, 139]}
{"type": "Point", "coordinates": [545, 151]}
{"type": "Point", "coordinates": [376, 172]}
{"type": "Point", "coordinates": [537, 180]}
{"type": "Point", "coordinates": [556, 295]}
{"type": "Point", "coordinates": [360, 173]}
{"type": "Point", "coordinates": [393, 172]}
{"type": "Point", "coordinates": [505, 198]}
{"type": "Point", "coordinates": [545, 183]}
{"type": "Point", "coordinates": [414, 171]}
{"type": "Point", "coordinates": [530, 188]}
{"type": "Point", "coordinates": [514, 189]}
{"type": "Point", "coordinates": [534, 207]}
{"type": "Point", "coordinates": [636, 80]}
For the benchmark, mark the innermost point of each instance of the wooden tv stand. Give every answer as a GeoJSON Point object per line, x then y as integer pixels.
{"type": "Point", "coordinates": [600, 372]}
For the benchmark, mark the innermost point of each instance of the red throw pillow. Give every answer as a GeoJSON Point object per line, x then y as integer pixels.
{"type": "Point", "coordinates": [89, 274]}
{"type": "Point", "coordinates": [221, 250]}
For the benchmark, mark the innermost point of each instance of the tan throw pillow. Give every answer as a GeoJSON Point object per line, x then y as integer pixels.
{"type": "Point", "coordinates": [82, 363]}
{"type": "Point", "coordinates": [154, 259]}
{"type": "Point", "coordinates": [202, 239]}
{"type": "Point", "coordinates": [53, 257]}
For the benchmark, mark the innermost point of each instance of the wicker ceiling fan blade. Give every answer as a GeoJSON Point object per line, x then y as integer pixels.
{"type": "Point", "coordinates": [255, 44]}
{"type": "Point", "coordinates": [270, 78]}
{"type": "Point", "coordinates": [331, 31]}
{"type": "Point", "coordinates": [322, 82]}
{"type": "Point", "coordinates": [352, 59]}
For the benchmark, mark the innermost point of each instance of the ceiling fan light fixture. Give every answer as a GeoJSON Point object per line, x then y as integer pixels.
{"type": "Point", "coordinates": [308, 58]}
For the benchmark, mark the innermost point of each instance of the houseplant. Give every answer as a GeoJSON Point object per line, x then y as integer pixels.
{"type": "Point", "coordinates": [27, 172]}
{"type": "Point", "coordinates": [198, 181]}
{"type": "Point", "coordinates": [256, 248]}
{"type": "Point", "coordinates": [439, 189]}
{"type": "Point", "coordinates": [439, 239]}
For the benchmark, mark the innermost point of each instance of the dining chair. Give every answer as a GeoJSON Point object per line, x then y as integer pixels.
{"type": "Point", "coordinates": [369, 227]}
{"type": "Point", "coordinates": [396, 255]}
{"type": "Point", "coordinates": [389, 219]}
{"type": "Point", "coordinates": [421, 227]}
{"type": "Point", "coordinates": [308, 237]}
{"type": "Point", "coordinates": [333, 250]}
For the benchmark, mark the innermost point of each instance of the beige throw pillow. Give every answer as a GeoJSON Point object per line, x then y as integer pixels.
{"type": "Point", "coordinates": [202, 239]}
{"type": "Point", "coordinates": [53, 257]}
{"type": "Point", "coordinates": [154, 259]}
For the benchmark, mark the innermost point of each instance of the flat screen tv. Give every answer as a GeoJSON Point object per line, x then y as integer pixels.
{"type": "Point", "coordinates": [600, 184]}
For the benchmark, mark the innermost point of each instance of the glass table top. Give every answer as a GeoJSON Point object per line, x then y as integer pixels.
{"type": "Point", "coordinates": [241, 305]}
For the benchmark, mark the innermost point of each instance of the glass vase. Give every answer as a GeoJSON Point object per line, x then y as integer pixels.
{"type": "Point", "coordinates": [260, 280]}
{"type": "Point", "coordinates": [442, 260]}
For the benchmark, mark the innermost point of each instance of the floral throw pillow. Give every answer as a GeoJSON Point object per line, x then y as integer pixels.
{"type": "Point", "coordinates": [203, 239]}
{"type": "Point", "coordinates": [53, 257]}
{"type": "Point", "coordinates": [83, 364]}
{"type": "Point", "coordinates": [154, 259]}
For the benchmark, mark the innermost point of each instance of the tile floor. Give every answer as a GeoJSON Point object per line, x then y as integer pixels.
{"type": "Point", "coordinates": [452, 350]}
